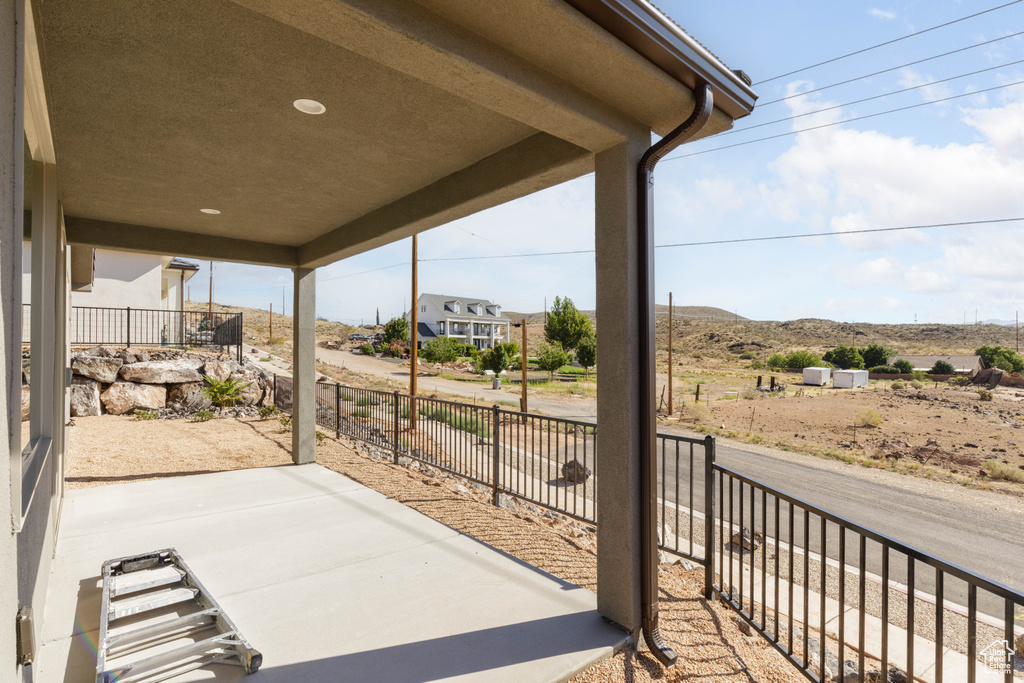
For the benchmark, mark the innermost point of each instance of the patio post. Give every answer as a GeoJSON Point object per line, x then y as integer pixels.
{"type": "Point", "coordinates": [618, 395]}
{"type": "Point", "coordinates": [304, 367]}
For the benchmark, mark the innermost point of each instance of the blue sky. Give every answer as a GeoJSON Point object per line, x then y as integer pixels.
{"type": "Point", "coordinates": [960, 160]}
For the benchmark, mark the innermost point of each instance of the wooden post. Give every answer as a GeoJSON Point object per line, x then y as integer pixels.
{"type": "Point", "coordinates": [697, 399]}
{"type": "Point", "coordinates": [413, 356]}
{"type": "Point", "coordinates": [522, 362]}
{"type": "Point", "coordinates": [271, 323]}
{"type": "Point", "coordinates": [671, 334]}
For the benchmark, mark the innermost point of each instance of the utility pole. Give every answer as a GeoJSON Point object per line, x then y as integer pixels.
{"type": "Point", "coordinates": [211, 291]}
{"type": "Point", "coordinates": [271, 321]}
{"type": "Point", "coordinates": [413, 323]}
{"type": "Point", "coordinates": [545, 311]}
{"type": "Point", "coordinates": [1016, 328]}
{"type": "Point", "coordinates": [522, 363]}
{"type": "Point", "coordinates": [671, 334]}
{"type": "Point", "coordinates": [284, 309]}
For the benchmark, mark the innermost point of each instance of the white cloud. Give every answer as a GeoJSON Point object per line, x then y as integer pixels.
{"type": "Point", "coordinates": [882, 14]}
{"type": "Point", "coordinates": [930, 93]}
{"type": "Point", "coordinates": [892, 273]}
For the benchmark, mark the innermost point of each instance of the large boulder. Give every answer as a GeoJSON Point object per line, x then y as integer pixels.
{"type": "Point", "coordinates": [188, 397]}
{"type": "Point", "coordinates": [124, 397]}
{"type": "Point", "coordinates": [99, 368]}
{"type": "Point", "coordinates": [85, 397]}
{"type": "Point", "coordinates": [575, 472]}
{"type": "Point", "coordinates": [164, 371]}
{"type": "Point", "coordinates": [222, 369]}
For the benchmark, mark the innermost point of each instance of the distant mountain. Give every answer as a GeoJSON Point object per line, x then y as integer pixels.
{"type": "Point", "coordinates": [703, 313]}
{"type": "Point", "coordinates": [993, 321]}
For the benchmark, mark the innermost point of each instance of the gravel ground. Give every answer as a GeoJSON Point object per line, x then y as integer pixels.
{"type": "Point", "coordinates": [110, 450]}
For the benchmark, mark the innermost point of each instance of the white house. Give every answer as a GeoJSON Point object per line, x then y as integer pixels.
{"type": "Point", "coordinates": [466, 320]}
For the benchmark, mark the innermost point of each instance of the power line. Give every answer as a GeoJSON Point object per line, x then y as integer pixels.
{"type": "Point", "coordinates": [761, 105]}
{"type": "Point", "coordinates": [991, 221]}
{"type": "Point", "coordinates": [868, 99]}
{"type": "Point", "coordinates": [362, 272]}
{"type": "Point", "coordinates": [888, 42]}
{"type": "Point", "coordinates": [837, 123]}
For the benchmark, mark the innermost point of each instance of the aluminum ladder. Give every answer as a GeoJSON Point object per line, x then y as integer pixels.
{"type": "Point", "coordinates": [149, 602]}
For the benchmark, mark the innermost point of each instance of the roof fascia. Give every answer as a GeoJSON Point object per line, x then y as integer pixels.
{"type": "Point", "coordinates": [649, 32]}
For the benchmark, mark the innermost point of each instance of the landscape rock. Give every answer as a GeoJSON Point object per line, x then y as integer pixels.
{"type": "Point", "coordinates": [744, 539]}
{"type": "Point", "coordinates": [221, 369]}
{"type": "Point", "coordinates": [124, 397]}
{"type": "Point", "coordinates": [164, 372]}
{"type": "Point", "coordinates": [99, 368]}
{"type": "Point", "coordinates": [85, 397]}
{"type": "Point", "coordinates": [187, 397]}
{"type": "Point", "coordinates": [742, 625]}
{"type": "Point", "coordinates": [26, 401]}
{"type": "Point", "coordinates": [575, 472]}
{"type": "Point", "coordinates": [127, 356]}
{"type": "Point", "coordinates": [1018, 643]}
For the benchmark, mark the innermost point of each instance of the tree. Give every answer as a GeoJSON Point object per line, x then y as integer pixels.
{"type": "Point", "coordinates": [586, 352]}
{"type": "Point", "coordinates": [844, 357]}
{"type": "Point", "coordinates": [942, 367]}
{"type": "Point", "coordinates": [777, 361]}
{"type": "Point", "coordinates": [441, 350]}
{"type": "Point", "coordinates": [499, 357]}
{"type": "Point", "coordinates": [905, 367]}
{"type": "Point", "coordinates": [396, 329]}
{"type": "Point", "coordinates": [876, 354]}
{"type": "Point", "coordinates": [566, 324]}
{"type": "Point", "coordinates": [799, 360]}
{"type": "Point", "coordinates": [552, 356]}
{"type": "Point", "coordinates": [998, 357]}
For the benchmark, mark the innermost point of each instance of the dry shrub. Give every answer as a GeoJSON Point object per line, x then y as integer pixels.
{"type": "Point", "coordinates": [983, 394]}
{"type": "Point", "coordinates": [749, 394]}
{"type": "Point", "coordinates": [898, 384]}
{"type": "Point", "coordinates": [1001, 470]}
{"type": "Point", "coordinates": [869, 418]}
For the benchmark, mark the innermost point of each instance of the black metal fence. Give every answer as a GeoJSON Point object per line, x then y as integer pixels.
{"type": "Point", "coordinates": [92, 326]}
{"type": "Point", "coordinates": [816, 586]}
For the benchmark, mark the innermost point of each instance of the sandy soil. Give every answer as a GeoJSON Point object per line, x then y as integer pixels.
{"type": "Point", "coordinates": [946, 431]}
{"type": "Point", "coordinates": [109, 450]}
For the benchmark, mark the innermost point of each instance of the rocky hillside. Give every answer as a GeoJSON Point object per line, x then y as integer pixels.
{"type": "Point", "coordinates": [256, 325]}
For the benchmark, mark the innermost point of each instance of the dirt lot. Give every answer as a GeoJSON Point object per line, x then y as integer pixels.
{"type": "Point", "coordinates": [944, 431]}
{"type": "Point", "coordinates": [109, 450]}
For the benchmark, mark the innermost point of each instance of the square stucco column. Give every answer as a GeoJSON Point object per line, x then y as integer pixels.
{"type": "Point", "coordinates": [618, 384]}
{"type": "Point", "coordinates": [304, 367]}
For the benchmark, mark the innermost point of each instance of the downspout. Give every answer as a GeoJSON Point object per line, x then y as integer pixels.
{"type": "Point", "coordinates": [648, 425]}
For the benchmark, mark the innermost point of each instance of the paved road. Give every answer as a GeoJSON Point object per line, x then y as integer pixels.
{"type": "Point", "coordinates": [978, 530]}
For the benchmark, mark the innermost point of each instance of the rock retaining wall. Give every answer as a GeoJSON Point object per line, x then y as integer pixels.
{"type": "Point", "coordinates": [115, 382]}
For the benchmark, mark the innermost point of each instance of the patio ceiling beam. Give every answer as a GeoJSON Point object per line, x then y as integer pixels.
{"type": "Point", "coordinates": [535, 163]}
{"type": "Point", "coordinates": [149, 240]}
{"type": "Point", "coordinates": [412, 40]}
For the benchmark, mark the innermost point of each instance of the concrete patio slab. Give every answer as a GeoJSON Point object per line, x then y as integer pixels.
{"type": "Point", "coordinates": [328, 579]}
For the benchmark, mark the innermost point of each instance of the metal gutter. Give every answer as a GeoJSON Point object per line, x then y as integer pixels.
{"type": "Point", "coordinates": [704, 96]}
{"type": "Point", "coordinates": [649, 32]}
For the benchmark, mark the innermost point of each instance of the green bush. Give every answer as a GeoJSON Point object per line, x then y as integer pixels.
{"type": "Point", "coordinates": [984, 394]}
{"type": "Point", "coordinates": [756, 364]}
{"type": "Point", "coordinates": [885, 370]}
{"type": "Point", "coordinates": [441, 350]}
{"type": "Point", "coordinates": [320, 436]}
{"type": "Point", "coordinates": [367, 349]}
{"type": "Point", "coordinates": [917, 385]}
{"type": "Point", "coordinates": [586, 352]}
{"type": "Point", "coordinates": [920, 375]}
{"type": "Point", "coordinates": [959, 380]}
{"type": "Point", "coordinates": [799, 360]}
{"type": "Point", "coordinates": [869, 418]}
{"type": "Point", "coordinates": [268, 411]}
{"type": "Point", "coordinates": [224, 393]}
{"type": "Point", "coordinates": [898, 384]}
{"type": "Point", "coordinates": [566, 325]}
{"type": "Point", "coordinates": [998, 357]}
{"type": "Point", "coordinates": [366, 401]}
{"type": "Point", "coordinates": [904, 366]}
{"type": "Point", "coordinates": [286, 423]}
{"type": "Point", "coordinates": [876, 354]}
{"type": "Point", "coordinates": [942, 367]}
{"type": "Point", "coordinates": [845, 357]}
{"type": "Point", "coordinates": [396, 330]}
{"type": "Point", "coordinates": [748, 355]}
{"type": "Point", "coordinates": [777, 361]}
{"type": "Point", "coordinates": [361, 412]}
{"type": "Point", "coordinates": [141, 414]}
{"type": "Point", "coordinates": [551, 357]}
{"type": "Point", "coordinates": [202, 416]}
{"type": "Point", "coordinates": [458, 420]}
{"type": "Point", "coordinates": [498, 358]}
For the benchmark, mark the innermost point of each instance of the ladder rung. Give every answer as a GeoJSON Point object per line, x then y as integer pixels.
{"type": "Point", "coordinates": [123, 584]}
{"type": "Point", "coordinates": [219, 644]}
{"type": "Point", "coordinates": [172, 627]}
{"type": "Point", "coordinates": [150, 601]}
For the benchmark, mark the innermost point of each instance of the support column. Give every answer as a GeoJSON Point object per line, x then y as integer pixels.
{"type": "Point", "coordinates": [304, 367]}
{"type": "Point", "coordinates": [618, 384]}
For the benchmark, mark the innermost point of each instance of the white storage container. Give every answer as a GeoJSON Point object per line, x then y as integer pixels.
{"type": "Point", "coordinates": [850, 379]}
{"type": "Point", "coordinates": [817, 376]}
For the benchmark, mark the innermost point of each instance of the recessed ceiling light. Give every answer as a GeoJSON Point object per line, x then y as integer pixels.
{"type": "Point", "coordinates": [309, 106]}
{"type": "Point", "coordinates": [210, 211]}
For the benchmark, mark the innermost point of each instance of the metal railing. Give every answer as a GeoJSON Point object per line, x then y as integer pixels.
{"type": "Point", "coordinates": [815, 585]}
{"type": "Point", "coordinates": [93, 326]}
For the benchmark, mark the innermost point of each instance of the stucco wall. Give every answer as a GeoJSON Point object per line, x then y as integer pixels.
{"type": "Point", "coordinates": [123, 279]}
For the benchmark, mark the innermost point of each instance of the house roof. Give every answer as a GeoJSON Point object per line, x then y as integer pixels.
{"type": "Point", "coordinates": [182, 264]}
{"type": "Point", "coordinates": [424, 331]}
{"type": "Point", "coordinates": [441, 301]}
{"type": "Point", "coordinates": [509, 93]}
{"type": "Point", "coordinates": [960, 363]}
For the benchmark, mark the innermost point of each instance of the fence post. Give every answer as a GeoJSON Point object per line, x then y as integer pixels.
{"type": "Point", "coordinates": [129, 333]}
{"type": "Point", "coordinates": [495, 451]}
{"type": "Point", "coordinates": [709, 517]}
{"type": "Point", "coordinates": [337, 410]}
{"type": "Point", "coordinates": [241, 336]}
{"type": "Point", "coordinates": [394, 438]}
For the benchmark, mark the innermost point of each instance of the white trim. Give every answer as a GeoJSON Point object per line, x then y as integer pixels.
{"type": "Point", "coordinates": [37, 116]}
